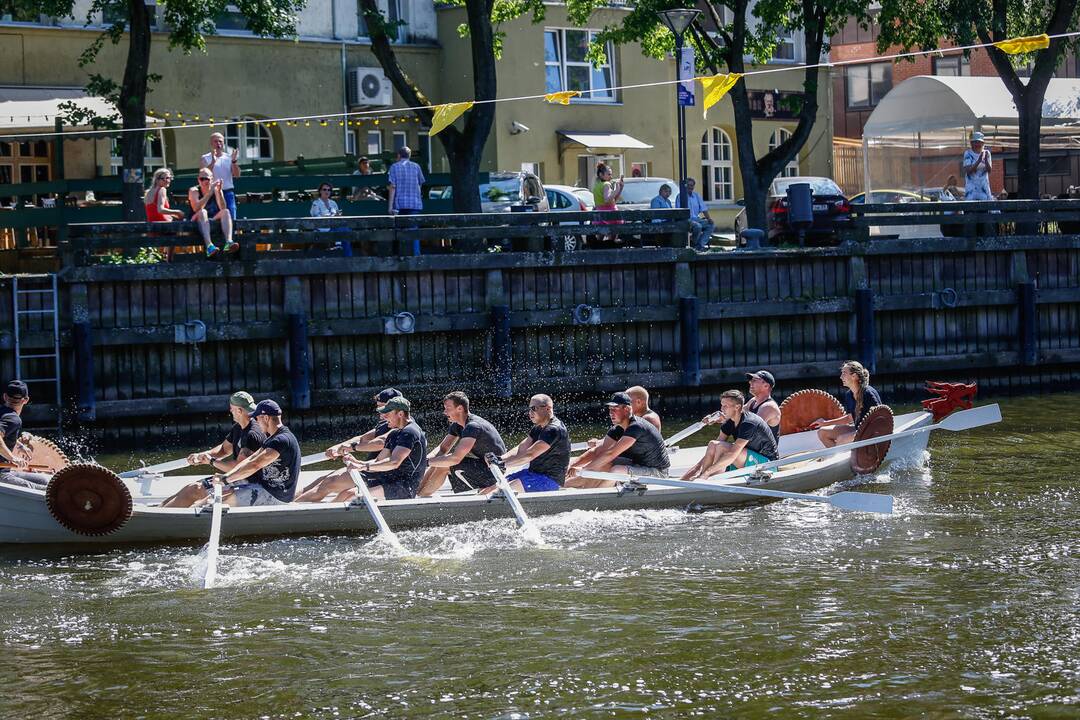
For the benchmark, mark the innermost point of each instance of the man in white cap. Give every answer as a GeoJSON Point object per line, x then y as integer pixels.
{"type": "Point", "coordinates": [976, 168]}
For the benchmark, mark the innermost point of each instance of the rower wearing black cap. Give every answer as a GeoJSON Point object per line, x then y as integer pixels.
{"type": "Point", "coordinates": [278, 459]}
{"type": "Point", "coordinates": [12, 451]}
{"type": "Point", "coordinates": [632, 445]}
{"type": "Point", "coordinates": [396, 473]}
{"type": "Point", "coordinates": [371, 442]}
{"type": "Point", "coordinates": [761, 402]}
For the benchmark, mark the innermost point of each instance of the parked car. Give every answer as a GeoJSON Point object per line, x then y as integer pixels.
{"type": "Point", "coordinates": [564, 198]}
{"type": "Point", "coordinates": [831, 210]}
{"type": "Point", "coordinates": [638, 192]}
{"type": "Point", "coordinates": [506, 191]}
{"type": "Point", "coordinates": [889, 196]}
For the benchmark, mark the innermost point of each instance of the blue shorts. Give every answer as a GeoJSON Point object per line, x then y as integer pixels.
{"type": "Point", "coordinates": [752, 458]}
{"type": "Point", "coordinates": [230, 201]}
{"type": "Point", "coordinates": [534, 482]}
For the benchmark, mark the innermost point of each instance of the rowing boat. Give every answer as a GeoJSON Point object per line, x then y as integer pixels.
{"type": "Point", "coordinates": [26, 518]}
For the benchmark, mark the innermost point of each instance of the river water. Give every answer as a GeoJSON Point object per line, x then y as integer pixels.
{"type": "Point", "coordinates": [963, 604]}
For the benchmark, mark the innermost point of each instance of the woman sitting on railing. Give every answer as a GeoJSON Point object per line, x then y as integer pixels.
{"type": "Point", "coordinates": [208, 203]}
{"type": "Point", "coordinates": [156, 199]}
{"type": "Point", "coordinates": [324, 206]}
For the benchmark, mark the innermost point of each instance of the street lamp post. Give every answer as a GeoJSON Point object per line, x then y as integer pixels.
{"type": "Point", "coordinates": [678, 20]}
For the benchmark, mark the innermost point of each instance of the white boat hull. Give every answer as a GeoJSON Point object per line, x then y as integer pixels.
{"type": "Point", "coordinates": [24, 517]}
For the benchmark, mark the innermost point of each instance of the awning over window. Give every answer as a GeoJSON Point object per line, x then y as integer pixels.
{"type": "Point", "coordinates": [598, 142]}
{"type": "Point", "coordinates": [35, 108]}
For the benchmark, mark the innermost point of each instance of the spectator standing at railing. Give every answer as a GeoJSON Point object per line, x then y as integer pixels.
{"type": "Point", "coordinates": [406, 181]}
{"type": "Point", "coordinates": [324, 206]}
{"type": "Point", "coordinates": [606, 195]}
{"type": "Point", "coordinates": [977, 166]}
{"type": "Point", "coordinates": [701, 225]}
{"type": "Point", "coordinates": [224, 164]}
{"type": "Point", "coordinates": [207, 202]}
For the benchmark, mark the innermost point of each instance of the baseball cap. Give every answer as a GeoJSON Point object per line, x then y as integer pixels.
{"type": "Point", "coordinates": [762, 375]}
{"type": "Point", "coordinates": [242, 400]}
{"type": "Point", "coordinates": [395, 403]}
{"type": "Point", "coordinates": [619, 398]}
{"type": "Point", "coordinates": [977, 136]}
{"type": "Point", "coordinates": [266, 407]}
{"type": "Point", "coordinates": [17, 390]}
{"type": "Point", "coordinates": [387, 394]}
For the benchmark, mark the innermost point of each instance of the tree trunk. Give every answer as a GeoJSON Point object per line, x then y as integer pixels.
{"type": "Point", "coordinates": [133, 106]}
{"type": "Point", "coordinates": [753, 192]}
{"type": "Point", "coordinates": [1030, 127]}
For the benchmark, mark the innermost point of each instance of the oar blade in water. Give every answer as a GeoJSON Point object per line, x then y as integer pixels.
{"type": "Point", "coordinates": [862, 502]}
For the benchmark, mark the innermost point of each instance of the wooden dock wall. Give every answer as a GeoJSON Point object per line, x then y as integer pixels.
{"type": "Point", "coordinates": [318, 334]}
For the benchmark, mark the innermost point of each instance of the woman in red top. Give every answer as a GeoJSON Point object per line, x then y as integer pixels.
{"type": "Point", "coordinates": [157, 199]}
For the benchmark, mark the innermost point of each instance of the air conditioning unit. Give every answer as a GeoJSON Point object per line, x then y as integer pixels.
{"type": "Point", "coordinates": [368, 87]}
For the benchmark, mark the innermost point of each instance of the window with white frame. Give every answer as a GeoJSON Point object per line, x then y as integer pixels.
{"type": "Point", "coordinates": [374, 143]}
{"type": "Point", "coordinates": [251, 137]}
{"type": "Point", "coordinates": [231, 19]}
{"type": "Point", "coordinates": [393, 11]}
{"type": "Point", "coordinates": [400, 140]}
{"type": "Point", "coordinates": [867, 84]}
{"type": "Point", "coordinates": [717, 168]}
{"type": "Point", "coordinates": [785, 45]}
{"type": "Point", "coordinates": [566, 66]}
{"type": "Point", "coordinates": [153, 155]}
{"type": "Point", "coordinates": [779, 136]}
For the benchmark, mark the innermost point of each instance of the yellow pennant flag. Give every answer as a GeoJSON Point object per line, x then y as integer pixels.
{"type": "Point", "coordinates": [445, 115]}
{"type": "Point", "coordinates": [716, 87]}
{"type": "Point", "coordinates": [1016, 46]}
{"type": "Point", "coordinates": [563, 97]}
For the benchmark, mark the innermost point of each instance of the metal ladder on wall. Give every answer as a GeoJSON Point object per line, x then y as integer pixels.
{"type": "Point", "coordinates": [35, 296]}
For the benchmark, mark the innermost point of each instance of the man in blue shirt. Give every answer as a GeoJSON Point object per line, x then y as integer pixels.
{"type": "Point", "coordinates": [701, 225]}
{"type": "Point", "coordinates": [662, 201]}
{"type": "Point", "coordinates": [406, 180]}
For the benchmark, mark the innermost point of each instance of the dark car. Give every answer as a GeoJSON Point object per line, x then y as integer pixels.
{"type": "Point", "coordinates": [831, 211]}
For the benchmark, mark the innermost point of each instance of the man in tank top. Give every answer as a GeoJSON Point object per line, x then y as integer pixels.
{"type": "Point", "coordinates": [761, 402]}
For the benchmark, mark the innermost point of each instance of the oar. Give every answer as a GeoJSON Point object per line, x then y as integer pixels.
{"type": "Point", "coordinates": [684, 433]}
{"type": "Point", "coordinates": [13, 466]}
{"type": "Point", "coordinates": [863, 502]}
{"type": "Point", "coordinates": [373, 510]}
{"type": "Point", "coordinates": [215, 539]}
{"type": "Point", "coordinates": [523, 521]}
{"type": "Point", "coordinates": [962, 420]}
{"type": "Point", "coordinates": [177, 464]}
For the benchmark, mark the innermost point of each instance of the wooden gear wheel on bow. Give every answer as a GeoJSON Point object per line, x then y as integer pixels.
{"type": "Point", "coordinates": [88, 499]}
{"type": "Point", "coordinates": [44, 453]}
{"type": "Point", "coordinates": [803, 407]}
{"type": "Point", "coordinates": [877, 422]}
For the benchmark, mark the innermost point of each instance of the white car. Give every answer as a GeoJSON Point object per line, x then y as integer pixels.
{"type": "Point", "coordinates": [638, 192]}
{"type": "Point", "coordinates": [564, 198]}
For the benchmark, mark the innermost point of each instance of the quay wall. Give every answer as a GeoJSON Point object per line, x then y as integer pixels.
{"type": "Point", "coordinates": [154, 351]}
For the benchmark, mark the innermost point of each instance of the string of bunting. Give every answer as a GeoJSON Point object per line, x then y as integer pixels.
{"type": "Point", "coordinates": [714, 87]}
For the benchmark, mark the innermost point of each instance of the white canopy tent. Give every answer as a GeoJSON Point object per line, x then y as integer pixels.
{"type": "Point", "coordinates": [921, 127]}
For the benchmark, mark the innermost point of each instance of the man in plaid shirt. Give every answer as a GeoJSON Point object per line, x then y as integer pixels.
{"type": "Point", "coordinates": [406, 180]}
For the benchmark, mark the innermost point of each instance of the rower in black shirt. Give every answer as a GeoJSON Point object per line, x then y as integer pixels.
{"type": "Point", "coordinates": [857, 398]}
{"type": "Point", "coordinates": [632, 446]}
{"type": "Point", "coordinates": [12, 451]}
{"type": "Point", "coordinates": [462, 451]}
{"type": "Point", "coordinates": [244, 438]}
{"type": "Point", "coordinates": [752, 441]}
{"type": "Point", "coordinates": [278, 459]}
{"type": "Point", "coordinates": [398, 470]}
{"type": "Point", "coordinates": [546, 450]}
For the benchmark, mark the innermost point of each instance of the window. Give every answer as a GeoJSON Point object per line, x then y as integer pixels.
{"type": "Point", "coordinates": [25, 162]}
{"type": "Point", "coordinates": [231, 19]}
{"type": "Point", "coordinates": [251, 137]}
{"type": "Point", "coordinates": [153, 156]}
{"type": "Point", "coordinates": [374, 143]}
{"type": "Point", "coordinates": [954, 66]}
{"type": "Point", "coordinates": [717, 170]}
{"type": "Point", "coordinates": [423, 148]}
{"type": "Point", "coordinates": [639, 169]}
{"type": "Point", "coordinates": [567, 68]}
{"type": "Point", "coordinates": [779, 136]}
{"type": "Point", "coordinates": [11, 11]}
{"type": "Point", "coordinates": [401, 139]}
{"type": "Point", "coordinates": [785, 45]}
{"type": "Point", "coordinates": [867, 84]}
{"type": "Point", "coordinates": [393, 11]}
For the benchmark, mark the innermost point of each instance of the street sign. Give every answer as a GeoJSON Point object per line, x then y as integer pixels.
{"type": "Point", "coordinates": [686, 77]}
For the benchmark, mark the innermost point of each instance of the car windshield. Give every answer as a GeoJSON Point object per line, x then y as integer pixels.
{"type": "Point", "coordinates": [586, 197]}
{"type": "Point", "coordinates": [500, 191]}
{"type": "Point", "coordinates": [643, 192]}
{"type": "Point", "coordinates": [818, 186]}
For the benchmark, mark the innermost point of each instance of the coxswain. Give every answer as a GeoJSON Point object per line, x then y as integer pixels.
{"type": "Point", "coordinates": [857, 397]}
{"type": "Point", "coordinates": [399, 468]}
{"type": "Point", "coordinates": [461, 453]}
{"type": "Point", "coordinates": [244, 437]}
{"type": "Point", "coordinates": [14, 453]}
{"type": "Point", "coordinates": [371, 441]}
{"type": "Point", "coordinates": [632, 446]}
{"type": "Point", "coordinates": [639, 396]}
{"type": "Point", "coordinates": [278, 460]}
{"type": "Point", "coordinates": [545, 451]}
{"type": "Point", "coordinates": [752, 441]}
{"type": "Point", "coordinates": [761, 401]}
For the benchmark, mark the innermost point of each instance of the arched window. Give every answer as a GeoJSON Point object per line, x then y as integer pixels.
{"type": "Point", "coordinates": [251, 137]}
{"type": "Point", "coordinates": [779, 136]}
{"type": "Point", "coordinates": [717, 171]}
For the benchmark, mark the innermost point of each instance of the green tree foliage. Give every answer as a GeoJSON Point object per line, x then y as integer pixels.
{"type": "Point", "coordinates": [927, 24]}
{"type": "Point", "coordinates": [188, 23]}
{"type": "Point", "coordinates": [726, 34]}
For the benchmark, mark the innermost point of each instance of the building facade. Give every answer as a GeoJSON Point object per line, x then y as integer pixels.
{"type": "Point", "coordinates": [247, 86]}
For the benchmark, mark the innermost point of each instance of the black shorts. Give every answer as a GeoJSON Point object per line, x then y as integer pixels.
{"type": "Point", "coordinates": [475, 471]}
{"type": "Point", "coordinates": [394, 490]}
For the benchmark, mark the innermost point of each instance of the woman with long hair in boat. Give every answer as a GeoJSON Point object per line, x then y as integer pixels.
{"type": "Point", "coordinates": [857, 398]}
